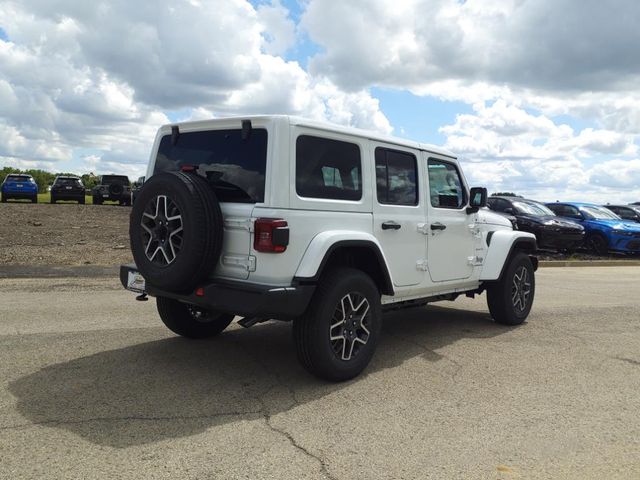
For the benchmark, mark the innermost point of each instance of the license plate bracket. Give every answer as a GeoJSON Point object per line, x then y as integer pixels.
{"type": "Point", "coordinates": [135, 282]}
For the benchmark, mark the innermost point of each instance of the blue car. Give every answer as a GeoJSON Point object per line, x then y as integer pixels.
{"type": "Point", "coordinates": [19, 186]}
{"type": "Point", "coordinates": [604, 229]}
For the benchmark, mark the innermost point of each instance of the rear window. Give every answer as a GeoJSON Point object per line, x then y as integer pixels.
{"type": "Point", "coordinates": [234, 167]}
{"type": "Point", "coordinates": [18, 178]}
{"type": "Point", "coordinates": [328, 168]}
{"type": "Point", "coordinates": [68, 181]}
{"type": "Point", "coordinates": [108, 179]}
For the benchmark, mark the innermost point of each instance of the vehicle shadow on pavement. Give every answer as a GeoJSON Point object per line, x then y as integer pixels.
{"type": "Point", "coordinates": [173, 387]}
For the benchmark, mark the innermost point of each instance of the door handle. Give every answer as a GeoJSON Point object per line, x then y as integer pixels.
{"type": "Point", "coordinates": [390, 225]}
{"type": "Point", "coordinates": [438, 226]}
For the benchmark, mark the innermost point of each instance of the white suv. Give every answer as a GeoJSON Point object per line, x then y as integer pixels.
{"type": "Point", "coordinates": [274, 217]}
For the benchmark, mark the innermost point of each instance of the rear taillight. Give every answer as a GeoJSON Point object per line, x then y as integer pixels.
{"type": "Point", "coordinates": [271, 235]}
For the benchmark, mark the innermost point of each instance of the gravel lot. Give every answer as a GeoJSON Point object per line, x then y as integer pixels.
{"type": "Point", "coordinates": [64, 234]}
{"type": "Point", "coordinates": [93, 386]}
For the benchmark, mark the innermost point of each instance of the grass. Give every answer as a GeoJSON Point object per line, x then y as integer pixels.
{"type": "Point", "coordinates": [46, 198]}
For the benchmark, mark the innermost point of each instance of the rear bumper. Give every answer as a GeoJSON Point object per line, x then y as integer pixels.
{"type": "Point", "coordinates": [239, 298]}
{"type": "Point", "coordinates": [67, 195]}
{"type": "Point", "coordinates": [19, 194]}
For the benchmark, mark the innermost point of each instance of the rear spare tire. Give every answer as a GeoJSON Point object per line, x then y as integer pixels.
{"type": "Point", "coordinates": [176, 231]}
{"type": "Point", "coordinates": [116, 189]}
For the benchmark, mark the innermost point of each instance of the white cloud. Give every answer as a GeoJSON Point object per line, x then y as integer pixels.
{"type": "Point", "coordinates": [77, 77]}
{"type": "Point", "coordinates": [279, 33]}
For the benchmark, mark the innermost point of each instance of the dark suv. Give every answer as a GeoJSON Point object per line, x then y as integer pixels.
{"type": "Point", "coordinates": [630, 213]}
{"type": "Point", "coordinates": [114, 188]}
{"type": "Point", "coordinates": [551, 231]}
{"type": "Point", "coordinates": [67, 188]}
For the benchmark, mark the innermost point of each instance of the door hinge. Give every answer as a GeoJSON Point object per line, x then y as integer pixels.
{"type": "Point", "coordinates": [474, 228]}
{"type": "Point", "coordinates": [423, 228]}
{"type": "Point", "coordinates": [238, 224]}
{"type": "Point", "coordinates": [422, 265]}
{"type": "Point", "coordinates": [248, 263]}
{"type": "Point", "coordinates": [475, 260]}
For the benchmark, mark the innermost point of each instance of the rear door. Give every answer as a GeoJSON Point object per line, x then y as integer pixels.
{"type": "Point", "coordinates": [451, 242]}
{"type": "Point", "coordinates": [398, 212]}
{"type": "Point", "coordinates": [234, 166]}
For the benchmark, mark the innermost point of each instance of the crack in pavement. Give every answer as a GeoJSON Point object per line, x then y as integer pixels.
{"type": "Point", "coordinates": [628, 360]}
{"type": "Point", "coordinates": [324, 469]}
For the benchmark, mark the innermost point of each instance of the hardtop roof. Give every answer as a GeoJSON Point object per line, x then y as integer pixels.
{"type": "Point", "coordinates": [326, 126]}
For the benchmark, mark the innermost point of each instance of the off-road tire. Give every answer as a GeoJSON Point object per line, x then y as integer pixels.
{"type": "Point", "coordinates": [202, 230]}
{"type": "Point", "coordinates": [501, 294]}
{"type": "Point", "coordinates": [52, 200]}
{"type": "Point", "coordinates": [3, 198]}
{"type": "Point", "coordinates": [312, 331]}
{"type": "Point", "coordinates": [81, 201]}
{"type": "Point", "coordinates": [96, 200]}
{"type": "Point", "coordinates": [598, 244]}
{"type": "Point", "coordinates": [180, 319]}
{"type": "Point", "coordinates": [34, 199]}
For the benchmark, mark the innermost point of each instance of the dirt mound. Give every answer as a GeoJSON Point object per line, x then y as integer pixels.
{"type": "Point", "coordinates": [64, 234]}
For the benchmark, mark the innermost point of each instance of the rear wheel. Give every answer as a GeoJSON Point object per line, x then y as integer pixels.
{"type": "Point", "coordinates": [53, 199]}
{"type": "Point", "coordinates": [337, 336]}
{"type": "Point", "coordinates": [97, 200]}
{"type": "Point", "coordinates": [510, 299]}
{"type": "Point", "coordinates": [3, 199]}
{"type": "Point", "coordinates": [597, 244]}
{"type": "Point", "coordinates": [191, 321]}
{"type": "Point", "coordinates": [34, 199]}
{"type": "Point", "coordinates": [81, 201]}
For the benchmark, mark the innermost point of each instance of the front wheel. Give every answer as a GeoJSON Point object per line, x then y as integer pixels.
{"type": "Point", "coordinates": [34, 199]}
{"type": "Point", "coordinates": [337, 336]}
{"type": "Point", "coordinates": [52, 199]}
{"type": "Point", "coordinates": [510, 299]}
{"type": "Point", "coordinates": [191, 321]}
{"type": "Point", "coordinates": [597, 244]}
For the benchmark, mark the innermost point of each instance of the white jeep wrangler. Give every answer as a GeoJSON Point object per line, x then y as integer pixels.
{"type": "Point", "coordinates": [274, 217]}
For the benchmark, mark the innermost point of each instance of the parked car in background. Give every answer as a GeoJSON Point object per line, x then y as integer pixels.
{"type": "Point", "coordinates": [115, 188]}
{"type": "Point", "coordinates": [630, 213]}
{"type": "Point", "coordinates": [137, 185]}
{"type": "Point", "coordinates": [19, 186]}
{"type": "Point", "coordinates": [551, 231]}
{"type": "Point", "coordinates": [604, 229]}
{"type": "Point", "coordinates": [67, 187]}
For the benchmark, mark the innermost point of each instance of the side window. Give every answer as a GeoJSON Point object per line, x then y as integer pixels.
{"type": "Point", "coordinates": [572, 212]}
{"type": "Point", "coordinates": [498, 204]}
{"type": "Point", "coordinates": [625, 213]}
{"type": "Point", "coordinates": [328, 168]}
{"type": "Point", "coordinates": [445, 185]}
{"type": "Point", "coordinates": [396, 177]}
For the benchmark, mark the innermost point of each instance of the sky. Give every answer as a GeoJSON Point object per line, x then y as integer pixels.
{"type": "Point", "coordinates": [536, 97]}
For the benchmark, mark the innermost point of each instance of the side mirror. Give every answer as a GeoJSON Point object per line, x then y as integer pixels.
{"type": "Point", "coordinates": [477, 199]}
{"type": "Point", "coordinates": [509, 211]}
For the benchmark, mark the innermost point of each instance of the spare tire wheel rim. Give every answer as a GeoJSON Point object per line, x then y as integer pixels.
{"type": "Point", "coordinates": [520, 289]}
{"type": "Point", "coordinates": [349, 330]}
{"type": "Point", "coordinates": [162, 232]}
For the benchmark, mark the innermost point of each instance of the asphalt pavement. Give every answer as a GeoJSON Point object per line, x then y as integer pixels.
{"type": "Point", "coordinates": [93, 386]}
